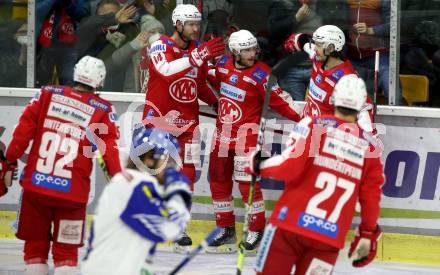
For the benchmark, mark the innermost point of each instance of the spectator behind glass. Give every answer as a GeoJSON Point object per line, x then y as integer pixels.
{"type": "Point", "coordinates": [153, 28]}
{"type": "Point", "coordinates": [370, 32]}
{"type": "Point", "coordinates": [102, 34]}
{"type": "Point", "coordinates": [56, 24]}
{"type": "Point", "coordinates": [216, 18]}
{"type": "Point", "coordinates": [418, 59]}
{"type": "Point", "coordinates": [301, 16]}
{"type": "Point", "coordinates": [12, 66]}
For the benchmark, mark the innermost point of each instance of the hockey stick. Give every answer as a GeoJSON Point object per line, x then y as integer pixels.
{"type": "Point", "coordinates": [271, 82]}
{"type": "Point", "coordinates": [208, 240]}
{"type": "Point", "coordinates": [376, 83]}
{"type": "Point", "coordinates": [99, 157]}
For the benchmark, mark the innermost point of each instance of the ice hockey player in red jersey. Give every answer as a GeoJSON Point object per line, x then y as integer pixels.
{"type": "Point", "coordinates": [241, 80]}
{"type": "Point", "coordinates": [327, 166]}
{"type": "Point", "coordinates": [328, 67]}
{"type": "Point", "coordinates": [56, 178]}
{"type": "Point", "coordinates": [178, 68]}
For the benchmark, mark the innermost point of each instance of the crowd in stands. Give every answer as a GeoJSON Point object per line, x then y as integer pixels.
{"type": "Point", "coordinates": [117, 31]}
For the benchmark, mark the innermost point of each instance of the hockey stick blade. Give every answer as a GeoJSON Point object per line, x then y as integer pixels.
{"type": "Point", "coordinates": [208, 240]}
{"type": "Point", "coordinates": [271, 82]}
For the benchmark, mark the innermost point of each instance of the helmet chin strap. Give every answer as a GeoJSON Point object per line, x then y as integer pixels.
{"type": "Point", "coordinates": [182, 36]}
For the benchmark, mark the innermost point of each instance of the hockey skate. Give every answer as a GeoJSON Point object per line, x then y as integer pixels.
{"type": "Point", "coordinates": [224, 243]}
{"type": "Point", "coordinates": [252, 242]}
{"type": "Point", "coordinates": [183, 244]}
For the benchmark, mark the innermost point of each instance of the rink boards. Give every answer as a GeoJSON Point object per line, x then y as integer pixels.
{"type": "Point", "coordinates": [410, 204]}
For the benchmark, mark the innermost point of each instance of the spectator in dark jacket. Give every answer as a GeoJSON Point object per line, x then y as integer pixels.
{"type": "Point", "coordinates": [301, 16]}
{"type": "Point", "coordinates": [56, 22]}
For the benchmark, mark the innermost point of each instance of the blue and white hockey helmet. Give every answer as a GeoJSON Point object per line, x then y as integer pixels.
{"type": "Point", "coordinates": [159, 141]}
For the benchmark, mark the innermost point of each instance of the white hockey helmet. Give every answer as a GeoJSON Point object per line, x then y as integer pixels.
{"type": "Point", "coordinates": [241, 40]}
{"type": "Point", "coordinates": [185, 12]}
{"type": "Point", "coordinates": [329, 34]}
{"type": "Point", "coordinates": [90, 71]}
{"type": "Point", "coordinates": [350, 92]}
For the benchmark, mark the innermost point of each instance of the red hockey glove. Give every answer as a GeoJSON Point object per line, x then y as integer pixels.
{"type": "Point", "coordinates": [295, 42]}
{"type": "Point", "coordinates": [213, 48]}
{"type": "Point", "coordinates": [7, 171]}
{"type": "Point", "coordinates": [364, 246]}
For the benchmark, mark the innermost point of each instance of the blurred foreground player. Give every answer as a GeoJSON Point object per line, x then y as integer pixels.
{"type": "Point", "coordinates": [148, 205]}
{"type": "Point", "coordinates": [327, 166]}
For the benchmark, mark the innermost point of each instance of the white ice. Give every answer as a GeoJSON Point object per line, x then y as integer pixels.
{"type": "Point", "coordinates": [11, 263]}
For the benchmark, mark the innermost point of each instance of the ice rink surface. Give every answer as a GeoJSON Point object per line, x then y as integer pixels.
{"type": "Point", "coordinates": [208, 264]}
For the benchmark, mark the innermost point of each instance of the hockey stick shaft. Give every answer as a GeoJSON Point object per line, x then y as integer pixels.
{"type": "Point", "coordinates": [376, 82]}
{"type": "Point", "coordinates": [271, 82]}
{"type": "Point", "coordinates": [196, 250]}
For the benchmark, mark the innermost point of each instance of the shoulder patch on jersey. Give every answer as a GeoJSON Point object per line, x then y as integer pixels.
{"type": "Point", "coordinates": [259, 74]}
{"type": "Point", "coordinates": [249, 80]}
{"type": "Point", "coordinates": [54, 89]}
{"type": "Point", "coordinates": [99, 104]}
{"type": "Point", "coordinates": [167, 41]}
{"type": "Point", "coordinates": [113, 116]}
{"type": "Point", "coordinates": [337, 74]}
{"type": "Point", "coordinates": [223, 60]}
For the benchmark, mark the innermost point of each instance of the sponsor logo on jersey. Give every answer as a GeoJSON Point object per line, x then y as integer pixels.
{"type": "Point", "coordinates": [330, 82]}
{"type": "Point", "coordinates": [99, 104]}
{"type": "Point", "coordinates": [283, 213]}
{"type": "Point", "coordinates": [233, 79]}
{"type": "Point", "coordinates": [318, 225]}
{"type": "Point", "coordinates": [326, 121]}
{"type": "Point", "coordinates": [184, 90]}
{"type": "Point", "coordinates": [337, 74]}
{"type": "Point", "coordinates": [51, 182]}
{"type": "Point", "coordinates": [318, 79]}
{"type": "Point", "coordinates": [158, 48]}
{"type": "Point", "coordinates": [54, 89]}
{"type": "Point", "coordinates": [223, 70]}
{"type": "Point", "coordinates": [222, 61]}
{"type": "Point", "coordinates": [232, 92]}
{"type": "Point", "coordinates": [344, 150]}
{"type": "Point", "coordinates": [113, 116]}
{"type": "Point", "coordinates": [249, 80]}
{"type": "Point", "coordinates": [69, 114]}
{"type": "Point", "coordinates": [73, 103]}
{"type": "Point", "coordinates": [229, 111]}
{"type": "Point", "coordinates": [301, 131]}
{"type": "Point", "coordinates": [259, 74]}
{"type": "Point", "coordinates": [315, 92]}
{"type": "Point", "coordinates": [167, 41]}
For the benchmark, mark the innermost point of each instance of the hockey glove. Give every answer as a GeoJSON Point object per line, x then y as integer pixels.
{"type": "Point", "coordinates": [364, 246]}
{"type": "Point", "coordinates": [296, 42]}
{"type": "Point", "coordinates": [206, 51]}
{"type": "Point", "coordinates": [7, 171]}
{"type": "Point", "coordinates": [255, 160]}
{"type": "Point", "coordinates": [176, 183]}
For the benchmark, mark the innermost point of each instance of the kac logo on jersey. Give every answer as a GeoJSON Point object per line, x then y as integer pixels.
{"type": "Point", "coordinates": [233, 79]}
{"type": "Point", "coordinates": [318, 79]}
{"type": "Point", "coordinates": [229, 111]}
{"type": "Point", "coordinates": [184, 90]}
{"type": "Point", "coordinates": [318, 225]}
{"type": "Point", "coordinates": [51, 182]}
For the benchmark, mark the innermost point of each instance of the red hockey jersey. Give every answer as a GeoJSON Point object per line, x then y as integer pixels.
{"type": "Point", "coordinates": [60, 161]}
{"type": "Point", "coordinates": [327, 166]}
{"type": "Point", "coordinates": [174, 87]}
{"type": "Point", "coordinates": [322, 84]}
{"type": "Point", "coordinates": [241, 101]}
